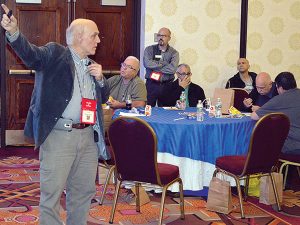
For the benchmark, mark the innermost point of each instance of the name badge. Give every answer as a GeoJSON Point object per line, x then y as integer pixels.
{"type": "Point", "coordinates": [88, 111]}
{"type": "Point", "coordinates": [158, 56]}
{"type": "Point", "coordinates": [155, 76]}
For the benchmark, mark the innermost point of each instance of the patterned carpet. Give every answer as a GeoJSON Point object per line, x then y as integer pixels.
{"type": "Point", "coordinates": [19, 198]}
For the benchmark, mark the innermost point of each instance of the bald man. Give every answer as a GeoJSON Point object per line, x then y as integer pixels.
{"type": "Point", "coordinates": [160, 61]}
{"type": "Point", "coordinates": [243, 79]}
{"type": "Point", "coordinates": [128, 83]}
{"type": "Point", "coordinates": [265, 89]}
{"type": "Point", "coordinates": [63, 131]}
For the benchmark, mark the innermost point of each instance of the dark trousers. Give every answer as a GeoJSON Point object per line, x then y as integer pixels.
{"type": "Point", "coordinates": [154, 90]}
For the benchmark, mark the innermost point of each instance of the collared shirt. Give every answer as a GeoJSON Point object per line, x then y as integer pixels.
{"type": "Point", "coordinates": [84, 87]}
{"type": "Point", "coordinates": [166, 64]}
{"type": "Point", "coordinates": [186, 91]}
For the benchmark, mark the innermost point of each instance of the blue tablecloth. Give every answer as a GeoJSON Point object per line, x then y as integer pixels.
{"type": "Point", "coordinates": [203, 141]}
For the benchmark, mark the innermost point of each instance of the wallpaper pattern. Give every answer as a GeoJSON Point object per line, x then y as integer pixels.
{"type": "Point", "coordinates": [206, 34]}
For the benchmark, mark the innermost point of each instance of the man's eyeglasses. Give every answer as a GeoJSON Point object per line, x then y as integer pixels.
{"type": "Point", "coordinates": [183, 74]}
{"type": "Point", "coordinates": [162, 35]}
{"type": "Point", "coordinates": [124, 65]}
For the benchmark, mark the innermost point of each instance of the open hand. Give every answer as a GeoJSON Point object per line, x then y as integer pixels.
{"type": "Point", "coordinates": [248, 102]}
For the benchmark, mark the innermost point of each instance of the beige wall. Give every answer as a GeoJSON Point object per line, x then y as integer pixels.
{"type": "Point", "coordinates": [274, 36]}
{"type": "Point", "coordinates": [206, 34]}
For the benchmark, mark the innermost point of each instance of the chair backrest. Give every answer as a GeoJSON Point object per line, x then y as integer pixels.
{"type": "Point", "coordinates": [239, 96]}
{"type": "Point", "coordinates": [134, 144]}
{"type": "Point", "coordinates": [267, 139]}
{"type": "Point", "coordinates": [227, 97]}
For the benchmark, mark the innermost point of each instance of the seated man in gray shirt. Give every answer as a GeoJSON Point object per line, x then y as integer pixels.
{"type": "Point", "coordinates": [127, 84]}
{"type": "Point", "coordinates": [288, 103]}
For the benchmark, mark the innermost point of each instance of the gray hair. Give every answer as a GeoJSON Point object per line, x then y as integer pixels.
{"type": "Point", "coordinates": [183, 65]}
{"type": "Point", "coordinates": [75, 28]}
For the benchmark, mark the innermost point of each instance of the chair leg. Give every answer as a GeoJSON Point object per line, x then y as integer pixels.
{"type": "Point", "coordinates": [284, 164]}
{"type": "Point", "coordinates": [181, 200]}
{"type": "Point", "coordinates": [215, 172]}
{"type": "Point", "coordinates": [238, 186]}
{"type": "Point", "coordinates": [275, 191]}
{"type": "Point", "coordinates": [112, 213]}
{"type": "Point", "coordinates": [108, 176]}
{"type": "Point", "coordinates": [285, 175]}
{"type": "Point", "coordinates": [137, 197]}
{"type": "Point", "coordinates": [246, 187]}
{"type": "Point", "coordinates": [162, 204]}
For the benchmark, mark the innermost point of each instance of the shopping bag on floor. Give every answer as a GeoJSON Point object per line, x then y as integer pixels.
{"type": "Point", "coordinates": [144, 198]}
{"type": "Point", "coordinates": [266, 190]}
{"type": "Point", "coordinates": [219, 196]}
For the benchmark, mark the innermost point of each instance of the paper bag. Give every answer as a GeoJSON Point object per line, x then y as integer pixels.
{"type": "Point", "coordinates": [107, 117]}
{"type": "Point", "coordinates": [267, 195]}
{"type": "Point", "coordinates": [219, 196]}
{"type": "Point", "coordinates": [144, 198]}
{"type": "Point", "coordinates": [227, 98]}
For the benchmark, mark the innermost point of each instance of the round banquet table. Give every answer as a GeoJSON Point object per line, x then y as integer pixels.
{"type": "Point", "coordinates": [194, 146]}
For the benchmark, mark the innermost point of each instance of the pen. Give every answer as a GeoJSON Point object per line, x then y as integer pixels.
{"type": "Point", "coordinates": [182, 118]}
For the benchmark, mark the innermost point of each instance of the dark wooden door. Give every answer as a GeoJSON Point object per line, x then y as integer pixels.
{"type": "Point", "coordinates": [116, 28]}
{"type": "Point", "coordinates": [40, 23]}
{"type": "Point", "coordinates": [45, 22]}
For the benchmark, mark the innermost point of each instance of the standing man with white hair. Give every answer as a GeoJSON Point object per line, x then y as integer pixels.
{"type": "Point", "coordinates": [66, 101]}
{"type": "Point", "coordinates": [160, 61]}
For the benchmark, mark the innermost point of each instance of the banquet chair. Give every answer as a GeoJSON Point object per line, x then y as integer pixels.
{"type": "Point", "coordinates": [134, 146]}
{"type": "Point", "coordinates": [267, 139]}
{"type": "Point", "coordinates": [239, 96]}
{"type": "Point", "coordinates": [110, 166]}
{"type": "Point", "coordinates": [106, 164]}
{"type": "Point", "coordinates": [289, 160]}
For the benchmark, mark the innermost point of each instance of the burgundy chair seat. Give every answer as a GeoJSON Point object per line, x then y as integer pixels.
{"type": "Point", "coordinates": [167, 172]}
{"type": "Point", "coordinates": [233, 164]}
{"type": "Point", "coordinates": [290, 157]}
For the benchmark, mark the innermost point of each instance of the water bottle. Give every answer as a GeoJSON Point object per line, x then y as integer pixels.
{"type": "Point", "coordinates": [200, 114]}
{"type": "Point", "coordinates": [182, 100]}
{"type": "Point", "coordinates": [208, 104]}
{"type": "Point", "coordinates": [218, 108]}
{"type": "Point", "coordinates": [128, 102]}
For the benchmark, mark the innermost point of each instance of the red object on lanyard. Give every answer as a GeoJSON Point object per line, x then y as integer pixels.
{"type": "Point", "coordinates": [88, 111]}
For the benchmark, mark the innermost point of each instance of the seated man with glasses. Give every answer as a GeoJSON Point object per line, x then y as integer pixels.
{"type": "Point", "coordinates": [171, 92]}
{"type": "Point", "coordinates": [160, 61]}
{"type": "Point", "coordinates": [264, 90]}
{"type": "Point", "coordinates": [127, 84]}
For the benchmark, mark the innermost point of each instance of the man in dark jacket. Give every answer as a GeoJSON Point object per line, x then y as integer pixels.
{"type": "Point", "coordinates": [264, 90]}
{"type": "Point", "coordinates": [65, 80]}
{"type": "Point", "coordinates": [243, 79]}
{"type": "Point", "coordinates": [171, 91]}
